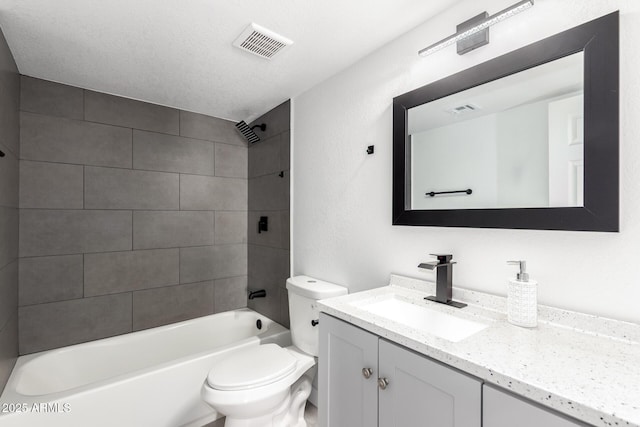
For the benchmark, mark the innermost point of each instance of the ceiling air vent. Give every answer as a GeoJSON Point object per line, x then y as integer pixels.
{"type": "Point", "coordinates": [260, 41]}
{"type": "Point", "coordinates": [465, 108]}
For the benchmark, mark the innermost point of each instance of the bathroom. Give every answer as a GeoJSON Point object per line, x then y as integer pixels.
{"type": "Point", "coordinates": [129, 200]}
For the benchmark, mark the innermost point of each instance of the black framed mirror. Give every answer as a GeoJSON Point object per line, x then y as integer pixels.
{"type": "Point", "coordinates": [558, 173]}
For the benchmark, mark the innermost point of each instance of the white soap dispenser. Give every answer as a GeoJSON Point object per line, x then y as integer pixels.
{"type": "Point", "coordinates": [522, 298]}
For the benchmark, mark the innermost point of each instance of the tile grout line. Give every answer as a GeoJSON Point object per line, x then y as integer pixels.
{"type": "Point", "coordinates": [213, 159]}
{"type": "Point", "coordinates": [129, 250]}
{"type": "Point", "coordinates": [85, 120]}
{"type": "Point", "coordinates": [213, 296]}
{"type": "Point", "coordinates": [134, 169]}
{"type": "Point", "coordinates": [133, 291]}
{"type": "Point", "coordinates": [127, 209]}
{"type": "Point", "coordinates": [17, 259]}
{"type": "Point", "coordinates": [213, 245]}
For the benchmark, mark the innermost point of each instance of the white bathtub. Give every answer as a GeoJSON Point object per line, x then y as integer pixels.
{"type": "Point", "coordinates": [147, 378]}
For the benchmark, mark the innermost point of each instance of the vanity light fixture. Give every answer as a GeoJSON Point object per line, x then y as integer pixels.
{"type": "Point", "coordinates": [475, 32]}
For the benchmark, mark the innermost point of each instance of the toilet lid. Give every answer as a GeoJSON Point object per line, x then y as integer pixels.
{"type": "Point", "coordinates": [251, 367]}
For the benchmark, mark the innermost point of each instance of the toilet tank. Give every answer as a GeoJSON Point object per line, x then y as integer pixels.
{"type": "Point", "coordinates": [304, 292]}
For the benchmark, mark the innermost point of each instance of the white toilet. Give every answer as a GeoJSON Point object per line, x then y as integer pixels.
{"type": "Point", "coordinates": [268, 386]}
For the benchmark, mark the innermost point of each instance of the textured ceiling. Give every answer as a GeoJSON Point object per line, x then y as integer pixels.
{"type": "Point", "coordinates": [178, 53]}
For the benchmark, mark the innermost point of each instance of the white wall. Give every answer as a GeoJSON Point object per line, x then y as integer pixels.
{"type": "Point", "coordinates": [523, 156]}
{"type": "Point", "coordinates": [342, 197]}
{"type": "Point", "coordinates": [455, 157]}
{"type": "Point", "coordinates": [502, 157]}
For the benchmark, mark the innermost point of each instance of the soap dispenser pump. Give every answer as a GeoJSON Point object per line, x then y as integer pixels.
{"type": "Point", "coordinates": [522, 298]}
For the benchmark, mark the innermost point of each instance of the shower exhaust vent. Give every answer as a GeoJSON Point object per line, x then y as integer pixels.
{"type": "Point", "coordinates": [261, 42]}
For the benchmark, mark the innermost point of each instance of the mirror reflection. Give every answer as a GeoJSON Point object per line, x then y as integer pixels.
{"type": "Point", "coordinates": [515, 142]}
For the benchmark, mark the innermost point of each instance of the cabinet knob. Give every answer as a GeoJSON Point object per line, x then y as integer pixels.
{"type": "Point", "coordinates": [366, 372]}
{"type": "Point", "coordinates": [383, 383]}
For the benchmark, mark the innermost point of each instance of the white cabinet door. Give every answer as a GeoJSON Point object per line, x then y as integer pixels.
{"type": "Point", "coordinates": [345, 397]}
{"type": "Point", "coordinates": [501, 409]}
{"type": "Point", "coordinates": [422, 392]}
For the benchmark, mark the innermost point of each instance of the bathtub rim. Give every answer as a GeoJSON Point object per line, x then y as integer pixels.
{"type": "Point", "coordinates": [11, 395]}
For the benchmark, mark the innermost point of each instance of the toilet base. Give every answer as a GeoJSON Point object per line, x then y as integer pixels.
{"type": "Point", "coordinates": [289, 413]}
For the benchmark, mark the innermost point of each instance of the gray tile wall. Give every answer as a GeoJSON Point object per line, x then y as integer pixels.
{"type": "Point", "coordinates": [132, 215]}
{"type": "Point", "coordinates": [269, 180]}
{"type": "Point", "coordinates": [9, 191]}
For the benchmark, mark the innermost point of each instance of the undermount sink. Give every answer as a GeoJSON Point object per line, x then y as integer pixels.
{"type": "Point", "coordinates": [443, 325]}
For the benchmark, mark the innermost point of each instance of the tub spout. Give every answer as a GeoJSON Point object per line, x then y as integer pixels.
{"type": "Point", "coordinates": [259, 293]}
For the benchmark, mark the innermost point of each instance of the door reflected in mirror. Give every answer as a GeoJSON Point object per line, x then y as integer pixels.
{"type": "Point", "coordinates": [515, 142]}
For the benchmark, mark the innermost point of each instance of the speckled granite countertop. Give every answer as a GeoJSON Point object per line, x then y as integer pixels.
{"type": "Point", "coordinates": [584, 366]}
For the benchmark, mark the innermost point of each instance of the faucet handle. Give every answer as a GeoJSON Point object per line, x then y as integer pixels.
{"type": "Point", "coordinates": [443, 258]}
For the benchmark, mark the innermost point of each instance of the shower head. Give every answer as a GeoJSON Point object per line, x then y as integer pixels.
{"type": "Point", "coordinates": [248, 132]}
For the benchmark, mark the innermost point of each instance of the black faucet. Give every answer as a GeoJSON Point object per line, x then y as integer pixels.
{"type": "Point", "coordinates": [260, 293]}
{"type": "Point", "coordinates": [444, 280]}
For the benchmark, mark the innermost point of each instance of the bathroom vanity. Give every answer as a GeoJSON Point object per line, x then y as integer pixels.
{"type": "Point", "coordinates": [378, 366]}
{"type": "Point", "coordinates": [372, 381]}
{"type": "Point", "coordinates": [410, 389]}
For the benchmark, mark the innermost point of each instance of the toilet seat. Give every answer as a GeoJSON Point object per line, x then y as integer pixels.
{"type": "Point", "coordinates": [252, 367]}
{"type": "Point", "coordinates": [256, 400]}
